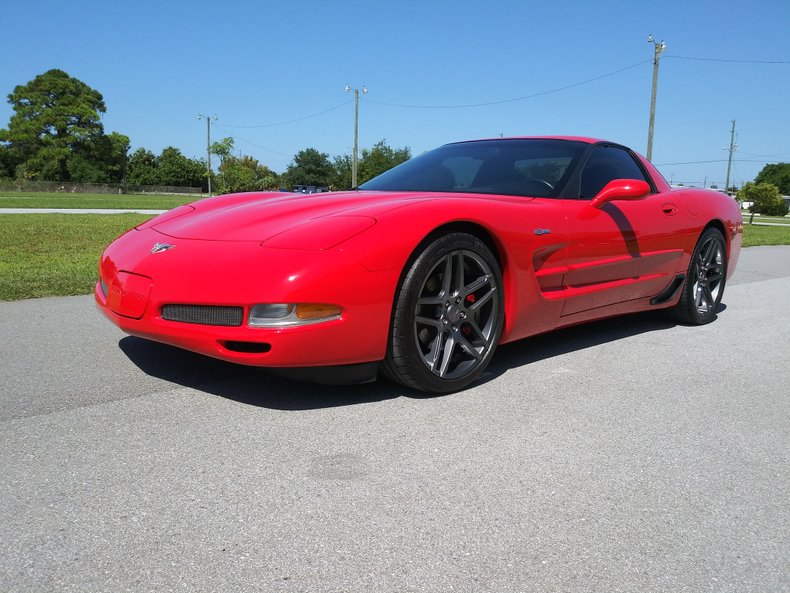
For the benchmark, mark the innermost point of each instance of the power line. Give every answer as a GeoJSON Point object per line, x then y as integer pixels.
{"type": "Point", "coordinates": [292, 121]}
{"type": "Point", "coordinates": [510, 100]}
{"type": "Point", "coordinates": [766, 155]}
{"type": "Point", "coordinates": [738, 173]}
{"type": "Point", "coordinates": [728, 60]}
{"type": "Point", "coordinates": [711, 161]}
{"type": "Point", "coordinates": [503, 101]}
{"type": "Point", "coordinates": [252, 143]}
{"type": "Point", "coordinates": [514, 99]}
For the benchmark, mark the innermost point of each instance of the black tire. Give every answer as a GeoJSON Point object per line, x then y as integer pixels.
{"type": "Point", "coordinates": [704, 284]}
{"type": "Point", "coordinates": [447, 316]}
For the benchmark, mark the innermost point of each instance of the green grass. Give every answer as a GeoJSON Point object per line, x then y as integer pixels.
{"type": "Point", "coordinates": [754, 235]}
{"type": "Point", "coordinates": [760, 218]}
{"type": "Point", "coordinates": [123, 201]}
{"type": "Point", "coordinates": [55, 254]}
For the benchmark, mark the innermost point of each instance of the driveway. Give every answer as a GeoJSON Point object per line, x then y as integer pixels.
{"type": "Point", "coordinates": [626, 455]}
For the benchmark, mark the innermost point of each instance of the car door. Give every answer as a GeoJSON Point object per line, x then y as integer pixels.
{"type": "Point", "coordinates": [623, 249]}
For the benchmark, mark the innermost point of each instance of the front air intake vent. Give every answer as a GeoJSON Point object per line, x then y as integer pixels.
{"type": "Point", "coordinates": [204, 314]}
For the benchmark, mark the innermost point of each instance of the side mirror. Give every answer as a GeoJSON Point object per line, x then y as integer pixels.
{"type": "Point", "coordinates": [621, 189]}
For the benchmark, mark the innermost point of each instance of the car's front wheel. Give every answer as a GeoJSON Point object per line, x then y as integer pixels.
{"type": "Point", "coordinates": [447, 317]}
{"type": "Point", "coordinates": [704, 286]}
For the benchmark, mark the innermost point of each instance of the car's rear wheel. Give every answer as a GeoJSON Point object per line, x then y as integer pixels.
{"type": "Point", "coordinates": [704, 285]}
{"type": "Point", "coordinates": [447, 317]}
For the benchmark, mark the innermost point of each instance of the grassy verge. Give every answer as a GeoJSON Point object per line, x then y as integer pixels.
{"type": "Point", "coordinates": [765, 235]}
{"type": "Point", "coordinates": [759, 219]}
{"type": "Point", "coordinates": [55, 254]}
{"type": "Point", "coordinates": [50, 200]}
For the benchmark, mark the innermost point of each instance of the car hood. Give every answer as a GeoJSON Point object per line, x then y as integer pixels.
{"type": "Point", "coordinates": [258, 217]}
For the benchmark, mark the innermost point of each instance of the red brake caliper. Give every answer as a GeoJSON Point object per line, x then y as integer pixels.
{"type": "Point", "coordinates": [465, 329]}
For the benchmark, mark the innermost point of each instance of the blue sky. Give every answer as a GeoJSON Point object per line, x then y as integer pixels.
{"type": "Point", "coordinates": [254, 64]}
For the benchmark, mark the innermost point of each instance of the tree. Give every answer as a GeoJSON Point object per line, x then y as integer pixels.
{"type": "Point", "coordinates": [244, 174]}
{"type": "Point", "coordinates": [309, 167]}
{"type": "Point", "coordinates": [765, 198]}
{"type": "Point", "coordinates": [778, 174]}
{"type": "Point", "coordinates": [6, 168]}
{"type": "Point", "coordinates": [102, 162]}
{"type": "Point", "coordinates": [374, 161]}
{"type": "Point", "coordinates": [113, 152]}
{"type": "Point", "coordinates": [169, 168]}
{"type": "Point", "coordinates": [142, 169]}
{"type": "Point", "coordinates": [174, 168]}
{"type": "Point", "coordinates": [379, 159]}
{"type": "Point", "coordinates": [11, 159]}
{"type": "Point", "coordinates": [56, 133]}
{"type": "Point", "coordinates": [222, 149]}
{"type": "Point", "coordinates": [341, 176]}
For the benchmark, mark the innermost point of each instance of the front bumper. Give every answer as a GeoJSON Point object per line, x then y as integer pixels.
{"type": "Point", "coordinates": [135, 286]}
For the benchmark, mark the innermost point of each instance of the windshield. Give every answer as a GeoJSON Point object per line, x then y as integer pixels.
{"type": "Point", "coordinates": [519, 167]}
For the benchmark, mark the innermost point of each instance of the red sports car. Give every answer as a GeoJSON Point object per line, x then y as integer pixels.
{"type": "Point", "coordinates": [421, 272]}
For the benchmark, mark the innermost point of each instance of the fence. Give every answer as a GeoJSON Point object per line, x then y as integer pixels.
{"type": "Point", "coordinates": [94, 188]}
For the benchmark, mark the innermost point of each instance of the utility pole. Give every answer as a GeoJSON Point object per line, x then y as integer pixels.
{"type": "Point", "coordinates": [208, 146]}
{"type": "Point", "coordinates": [354, 158]}
{"type": "Point", "coordinates": [658, 49]}
{"type": "Point", "coordinates": [729, 161]}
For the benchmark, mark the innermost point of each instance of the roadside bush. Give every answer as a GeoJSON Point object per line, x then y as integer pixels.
{"type": "Point", "coordinates": [765, 198]}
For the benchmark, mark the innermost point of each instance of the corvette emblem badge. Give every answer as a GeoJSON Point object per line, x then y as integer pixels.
{"type": "Point", "coordinates": [160, 247]}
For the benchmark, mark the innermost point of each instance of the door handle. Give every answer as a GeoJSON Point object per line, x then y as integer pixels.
{"type": "Point", "coordinates": [669, 209]}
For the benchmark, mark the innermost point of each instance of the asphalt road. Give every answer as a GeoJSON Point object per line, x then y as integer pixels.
{"type": "Point", "coordinates": [628, 455]}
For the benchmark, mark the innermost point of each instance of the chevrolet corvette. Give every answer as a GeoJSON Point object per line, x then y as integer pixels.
{"type": "Point", "coordinates": [422, 271]}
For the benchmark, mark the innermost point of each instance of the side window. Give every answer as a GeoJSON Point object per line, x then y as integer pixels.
{"type": "Point", "coordinates": [605, 164]}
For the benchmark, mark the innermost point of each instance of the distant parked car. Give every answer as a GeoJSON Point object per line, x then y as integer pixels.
{"type": "Point", "coordinates": [310, 189]}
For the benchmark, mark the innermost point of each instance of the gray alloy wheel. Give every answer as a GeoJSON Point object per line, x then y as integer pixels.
{"type": "Point", "coordinates": [704, 286]}
{"type": "Point", "coordinates": [448, 316]}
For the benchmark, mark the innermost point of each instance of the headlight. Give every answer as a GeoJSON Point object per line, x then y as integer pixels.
{"type": "Point", "coordinates": [290, 314]}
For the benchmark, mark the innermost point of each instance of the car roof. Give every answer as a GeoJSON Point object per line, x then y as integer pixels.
{"type": "Point", "coordinates": [585, 139]}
